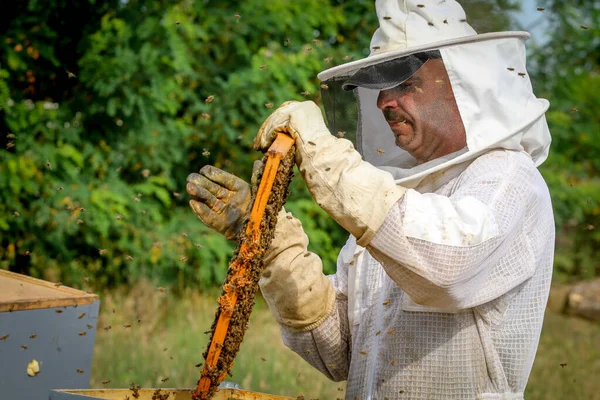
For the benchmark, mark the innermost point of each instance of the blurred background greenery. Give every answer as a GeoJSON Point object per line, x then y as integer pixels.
{"type": "Point", "coordinates": [107, 106]}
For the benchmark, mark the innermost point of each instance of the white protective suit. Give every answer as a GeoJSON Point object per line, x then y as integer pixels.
{"type": "Point", "coordinates": [440, 290]}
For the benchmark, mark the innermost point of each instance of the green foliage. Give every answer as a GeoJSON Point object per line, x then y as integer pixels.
{"type": "Point", "coordinates": [567, 74]}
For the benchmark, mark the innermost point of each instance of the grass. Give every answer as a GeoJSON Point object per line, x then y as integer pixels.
{"type": "Point", "coordinates": [162, 349]}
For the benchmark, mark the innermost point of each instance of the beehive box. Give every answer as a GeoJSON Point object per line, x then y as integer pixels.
{"type": "Point", "coordinates": [151, 394]}
{"type": "Point", "coordinates": [50, 323]}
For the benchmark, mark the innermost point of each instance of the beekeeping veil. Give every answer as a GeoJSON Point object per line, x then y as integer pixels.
{"type": "Point", "coordinates": [486, 72]}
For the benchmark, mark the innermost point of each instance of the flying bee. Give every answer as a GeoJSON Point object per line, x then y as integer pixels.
{"type": "Point", "coordinates": [27, 253]}
{"type": "Point", "coordinates": [263, 66]}
{"type": "Point", "coordinates": [105, 382]}
{"type": "Point", "coordinates": [143, 212]}
{"type": "Point", "coordinates": [209, 99]}
{"type": "Point", "coordinates": [79, 221]}
{"type": "Point", "coordinates": [391, 331]}
{"type": "Point", "coordinates": [183, 259]}
{"type": "Point", "coordinates": [176, 194]}
{"type": "Point", "coordinates": [377, 333]}
{"type": "Point", "coordinates": [107, 328]}
{"type": "Point", "coordinates": [316, 41]}
{"type": "Point", "coordinates": [48, 165]}
{"type": "Point", "coordinates": [32, 336]}
{"type": "Point", "coordinates": [286, 42]}
{"type": "Point", "coordinates": [82, 333]}
{"type": "Point", "coordinates": [16, 214]}
{"type": "Point", "coordinates": [328, 59]}
{"type": "Point", "coordinates": [341, 134]}
{"type": "Point", "coordinates": [541, 9]}
{"type": "Point", "coordinates": [90, 326]}
{"type": "Point", "coordinates": [198, 245]}
{"type": "Point", "coordinates": [269, 105]}
{"type": "Point", "coordinates": [264, 359]}
{"type": "Point", "coordinates": [81, 315]}
{"type": "Point", "coordinates": [61, 188]}
{"type": "Point", "coordinates": [364, 353]}
{"type": "Point", "coordinates": [308, 49]}
{"type": "Point", "coordinates": [393, 362]}
{"type": "Point", "coordinates": [24, 347]}
{"type": "Point", "coordinates": [10, 136]}
{"type": "Point", "coordinates": [80, 371]}
{"type": "Point", "coordinates": [574, 109]}
{"type": "Point", "coordinates": [347, 58]}
{"type": "Point", "coordinates": [562, 365]}
{"type": "Point", "coordinates": [164, 380]}
{"type": "Point", "coordinates": [387, 18]}
{"type": "Point", "coordinates": [380, 151]}
{"type": "Point", "coordinates": [521, 74]}
{"type": "Point", "coordinates": [305, 93]}
{"type": "Point", "coordinates": [421, 5]}
{"type": "Point", "coordinates": [206, 153]}
{"type": "Point", "coordinates": [445, 21]}
{"type": "Point", "coordinates": [128, 257]}
{"type": "Point", "coordinates": [118, 217]}
{"type": "Point", "coordinates": [184, 234]}
{"type": "Point", "coordinates": [10, 145]}
{"type": "Point", "coordinates": [103, 252]}
{"type": "Point", "coordinates": [237, 16]}
{"type": "Point", "coordinates": [584, 27]}
{"type": "Point", "coordinates": [4, 337]}
{"type": "Point", "coordinates": [127, 326]}
{"type": "Point", "coordinates": [324, 86]}
{"type": "Point", "coordinates": [136, 200]}
{"type": "Point", "coordinates": [387, 303]}
{"type": "Point", "coordinates": [205, 115]}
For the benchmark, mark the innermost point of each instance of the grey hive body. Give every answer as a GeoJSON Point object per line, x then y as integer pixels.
{"type": "Point", "coordinates": [63, 343]}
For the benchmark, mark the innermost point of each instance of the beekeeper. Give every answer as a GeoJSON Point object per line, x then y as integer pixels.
{"type": "Point", "coordinates": [441, 288]}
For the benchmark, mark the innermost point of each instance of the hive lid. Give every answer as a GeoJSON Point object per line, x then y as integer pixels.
{"type": "Point", "coordinates": [148, 394]}
{"type": "Point", "coordinates": [22, 292]}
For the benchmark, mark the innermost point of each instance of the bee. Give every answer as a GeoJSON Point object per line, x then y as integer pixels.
{"type": "Point", "coordinates": [510, 68]}
{"type": "Point", "coordinates": [165, 349]}
{"type": "Point", "coordinates": [347, 57]}
{"type": "Point", "coordinates": [341, 134]}
{"type": "Point", "coordinates": [306, 351]}
{"type": "Point", "coordinates": [107, 328]}
{"type": "Point", "coordinates": [205, 115]}
{"type": "Point", "coordinates": [541, 9]}
{"type": "Point", "coordinates": [114, 310]}
{"type": "Point", "coordinates": [286, 42]}
{"type": "Point", "coordinates": [161, 289]}
{"type": "Point", "coordinates": [10, 145]}
{"type": "Point", "coordinates": [136, 200]}
{"type": "Point", "coordinates": [184, 234]}
{"type": "Point", "coordinates": [311, 143]}
{"type": "Point", "coordinates": [463, 20]}
{"type": "Point", "coordinates": [263, 66]}
{"type": "Point", "coordinates": [393, 362]}
{"type": "Point", "coordinates": [143, 212]}
{"type": "Point", "coordinates": [127, 326]}
{"type": "Point", "coordinates": [380, 151]}
{"type": "Point", "coordinates": [176, 194]}
{"type": "Point", "coordinates": [364, 353]}
{"type": "Point", "coordinates": [4, 337]}
{"type": "Point", "coordinates": [305, 93]}
{"type": "Point", "coordinates": [27, 253]}
{"type": "Point", "coordinates": [327, 169]}
{"type": "Point", "coordinates": [80, 371]}
{"type": "Point", "coordinates": [324, 86]}
{"type": "Point", "coordinates": [59, 311]}
{"type": "Point", "coordinates": [198, 365]}
{"type": "Point", "coordinates": [269, 105]}
{"type": "Point", "coordinates": [590, 227]}
{"type": "Point", "coordinates": [584, 27]}
{"type": "Point", "coordinates": [264, 359]}
{"type": "Point", "coordinates": [562, 365]}
{"type": "Point", "coordinates": [71, 75]}
{"type": "Point", "coordinates": [105, 382]}
{"type": "Point", "coordinates": [81, 315]}
{"type": "Point", "coordinates": [574, 109]}
{"type": "Point", "coordinates": [209, 99]}
{"type": "Point", "coordinates": [421, 5]}
{"type": "Point", "coordinates": [32, 336]}
{"type": "Point", "coordinates": [79, 221]}
{"type": "Point", "coordinates": [387, 18]}
{"type": "Point", "coordinates": [430, 24]}
{"type": "Point", "coordinates": [521, 74]}
{"type": "Point", "coordinates": [49, 165]}
{"type": "Point", "coordinates": [308, 49]}
{"type": "Point", "coordinates": [16, 214]}
{"type": "Point", "coordinates": [206, 153]}
{"type": "Point", "coordinates": [24, 347]}
{"type": "Point", "coordinates": [82, 333]}
{"type": "Point", "coordinates": [61, 188]}
{"type": "Point", "coordinates": [327, 59]}
{"type": "Point", "coordinates": [10, 136]}
{"type": "Point", "coordinates": [419, 90]}
{"type": "Point", "coordinates": [439, 81]}
{"type": "Point", "coordinates": [445, 21]}
{"type": "Point", "coordinates": [391, 331]}
{"type": "Point", "coordinates": [118, 217]}
{"type": "Point", "coordinates": [387, 303]}
{"type": "Point", "coordinates": [377, 333]}
{"type": "Point", "coordinates": [103, 252]}
{"type": "Point", "coordinates": [128, 257]}
{"type": "Point", "coordinates": [90, 326]}
{"type": "Point", "coordinates": [164, 380]}
{"type": "Point", "coordinates": [198, 245]}
{"type": "Point", "coordinates": [376, 47]}
{"type": "Point", "coordinates": [237, 16]}
{"type": "Point", "coordinates": [183, 259]}
{"type": "Point", "coordinates": [316, 41]}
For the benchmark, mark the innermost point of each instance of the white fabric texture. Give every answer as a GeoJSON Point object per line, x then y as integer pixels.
{"type": "Point", "coordinates": [417, 319]}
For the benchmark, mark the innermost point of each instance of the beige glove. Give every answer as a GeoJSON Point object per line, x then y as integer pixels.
{"type": "Point", "coordinates": [355, 193]}
{"type": "Point", "coordinates": [299, 295]}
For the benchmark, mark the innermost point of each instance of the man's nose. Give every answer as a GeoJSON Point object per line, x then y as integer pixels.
{"type": "Point", "coordinates": [386, 100]}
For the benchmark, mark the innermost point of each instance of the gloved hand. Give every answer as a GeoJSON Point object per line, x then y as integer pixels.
{"type": "Point", "coordinates": [353, 192]}
{"type": "Point", "coordinates": [303, 121]}
{"type": "Point", "coordinates": [221, 200]}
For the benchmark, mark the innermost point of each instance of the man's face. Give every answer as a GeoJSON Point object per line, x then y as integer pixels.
{"type": "Point", "coordinates": [423, 114]}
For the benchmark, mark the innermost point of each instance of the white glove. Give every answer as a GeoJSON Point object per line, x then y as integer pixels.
{"type": "Point", "coordinates": [355, 193]}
